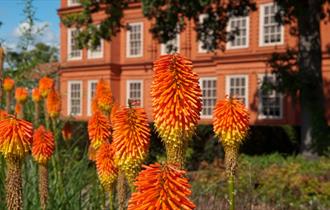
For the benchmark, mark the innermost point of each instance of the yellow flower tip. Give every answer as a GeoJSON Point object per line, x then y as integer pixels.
{"type": "Point", "coordinates": [15, 136]}
{"type": "Point", "coordinates": [36, 96]}
{"type": "Point", "coordinates": [45, 85]}
{"type": "Point", "coordinates": [105, 165]}
{"type": "Point", "coordinates": [21, 94]}
{"type": "Point", "coordinates": [103, 95]}
{"type": "Point", "coordinates": [131, 137]}
{"type": "Point", "coordinates": [3, 114]}
{"type": "Point", "coordinates": [53, 103]}
{"type": "Point", "coordinates": [99, 129]}
{"type": "Point", "coordinates": [161, 187]}
{"type": "Point", "coordinates": [8, 84]}
{"type": "Point", "coordinates": [231, 121]}
{"type": "Point", "coordinates": [67, 131]}
{"type": "Point", "coordinates": [43, 145]}
{"type": "Point", "coordinates": [176, 97]}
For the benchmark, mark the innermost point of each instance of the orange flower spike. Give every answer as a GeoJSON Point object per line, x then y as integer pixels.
{"type": "Point", "coordinates": [176, 98]}
{"type": "Point", "coordinates": [36, 96]}
{"type": "Point", "coordinates": [230, 121]}
{"type": "Point", "coordinates": [103, 95]}
{"type": "Point", "coordinates": [8, 84]}
{"type": "Point", "coordinates": [161, 187]}
{"type": "Point", "coordinates": [53, 103]}
{"type": "Point", "coordinates": [21, 94]}
{"type": "Point", "coordinates": [18, 108]}
{"type": "Point", "coordinates": [105, 165]}
{"type": "Point", "coordinates": [43, 145]}
{"type": "Point", "coordinates": [131, 139]}
{"type": "Point", "coordinates": [3, 114]}
{"type": "Point", "coordinates": [45, 85]}
{"type": "Point", "coordinates": [99, 129]}
{"type": "Point", "coordinates": [67, 132]}
{"type": "Point", "coordinates": [15, 137]}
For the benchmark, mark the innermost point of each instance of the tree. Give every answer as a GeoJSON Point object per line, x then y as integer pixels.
{"type": "Point", "coordinates": [29, 53]}
{"type": "Point", "coordinates": [169, 18]}
{"type": "Point", "coordinates": [299, 70]}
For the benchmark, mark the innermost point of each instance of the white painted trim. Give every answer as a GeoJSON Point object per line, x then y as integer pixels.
{"type": "Point", "coordinates": [200, 44]}
{"type": "Point", "coordinates": [69, 31]}
{"type": "Point", "coordinates": [201, 79]}
{"type": "Point", "coordinates": [261, 28]}
{"type": "Point", "coordinates": [163, 46]}
{"type": "Point", "coordinates": [89, 96]}
{"type": "Point", "coordinates": [128, 55]}
{"type": "Point", "coordinates": [70, 82]}
{"type": "Point", "coordinates": [71, 4]}
{"type": "Point", "coordinates": [93, 55]}
{"type": "Point", "coordinates": [128, 82]}
{"type": "Point", "coordinates": [260, 115]}
{"type": "Point", "coordinates": [228, 77]}
{"type": "Point", "coordinates": [228, 44]}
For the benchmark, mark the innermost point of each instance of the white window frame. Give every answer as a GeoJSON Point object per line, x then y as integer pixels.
{"type": "Point", "coordinates": [70, 3]}
{"type": "Point", "coordinates": [70, 82]}
{"type": "Point", "coordinates": [261, 26]}
{"type": "Point", "coordinates": [200, 43]}
{"type": "Point", "coordinates": [128, 82]}
{"type": "Point", "coordinates": [229, 77]}
{"type": "Point", "coordinates": [163, 46]}
{"type": "Point", "coordinates": [69, 46]}
{"type": "Point", "coordinates": [89, 96]}
{"type": "Point", "coordinates": [228, 44]}
{"type": "Point", "coordinates": [91, 54]}
{"type": "Point", "coordinates": [128, 49]}
{"type": "Point", "coordinates": [216, 89]}
{"type": "Point", "coordinates": [261, 116]}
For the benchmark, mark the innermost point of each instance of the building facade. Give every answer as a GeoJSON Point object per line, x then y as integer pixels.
{"type": "Point", "coordinates": [127, 62]}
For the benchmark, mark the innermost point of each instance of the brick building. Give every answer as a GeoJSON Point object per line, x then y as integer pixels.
{"type": "Point", "coordinates": [127, 63]}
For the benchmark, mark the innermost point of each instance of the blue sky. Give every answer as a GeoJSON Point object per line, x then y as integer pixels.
{"type": "Point", "coordinates": [11, 16]}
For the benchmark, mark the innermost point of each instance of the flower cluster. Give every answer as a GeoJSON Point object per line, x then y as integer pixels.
{"type": "Point", "coordinates": [131, 139]}
{"type": "Point", "coordinates": [106, 168]}
{"type": "Point", "coordinates": [45, 85]}
{"type": "Point", "coordinates": [230, 121]}
{"type": "Point", "coordinates": [53, 103]}
{"type": "Point", "coordinates": [161, 187]}
{"type": "Point", "coordinates": [99, 129]}
{"type": "Point", "coordinates": [43, 145]}
{"type": "Point", "coordinates": [8, 84]}
{"type": "Point", "coordinates": [15, 137]}
{"type": "Point", "coordinates": [103, 96]}
{"type": "Point", "coordinates": [21, 94]}
{"type": "Point", "coordinates": [176, 98]}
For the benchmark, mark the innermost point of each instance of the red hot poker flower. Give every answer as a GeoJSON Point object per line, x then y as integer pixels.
{"type": "Point", "coordinates": [43, 145]}
{"type": "Point", "coordinates": [230, 121]}
{"type": "Point", "coordinates": [53, 103]}
{"type": "Point", "coordinates": [8, 84]}
{"type": "Point", "coordinates": [45, 85]}
{"type": "Point", "coordinates": [36, 97]}
{"type": "Point", "coordinates": [15, 137]}
{"type": "Point", "coordinates": [131, 139]}
{"type": "Point", "coordinates": [99, 129]}
{"type": "Point", "coordinates": [105, 165]}
{"type": "Point", "coordinates": [161, 187]}
{"type": "Point", "coordinates": [21, 94]}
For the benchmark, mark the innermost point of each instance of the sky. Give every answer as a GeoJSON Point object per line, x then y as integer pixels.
{"type": "Point", "coordinates": [12, 18]}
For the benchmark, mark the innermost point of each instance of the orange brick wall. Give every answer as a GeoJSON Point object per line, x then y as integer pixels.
{"type": "Point", "coordinates": [117, 68]}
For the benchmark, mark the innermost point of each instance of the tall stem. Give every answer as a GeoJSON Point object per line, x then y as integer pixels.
{"type": "Point", "coordinates": [43, 186]}
{"type": "Point", "coordinates": [14, 197]}
{"type": "Point", "coordinates": [121, 189]}
{"type": "Point", "coordinates": [231, 191]}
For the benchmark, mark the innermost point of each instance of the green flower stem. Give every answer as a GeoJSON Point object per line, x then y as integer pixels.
{"type": "Point", "coordinates": [231, 191]}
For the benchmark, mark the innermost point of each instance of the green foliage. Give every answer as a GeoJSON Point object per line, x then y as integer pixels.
{"type": "Point", "coordinates": [267, 182]}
